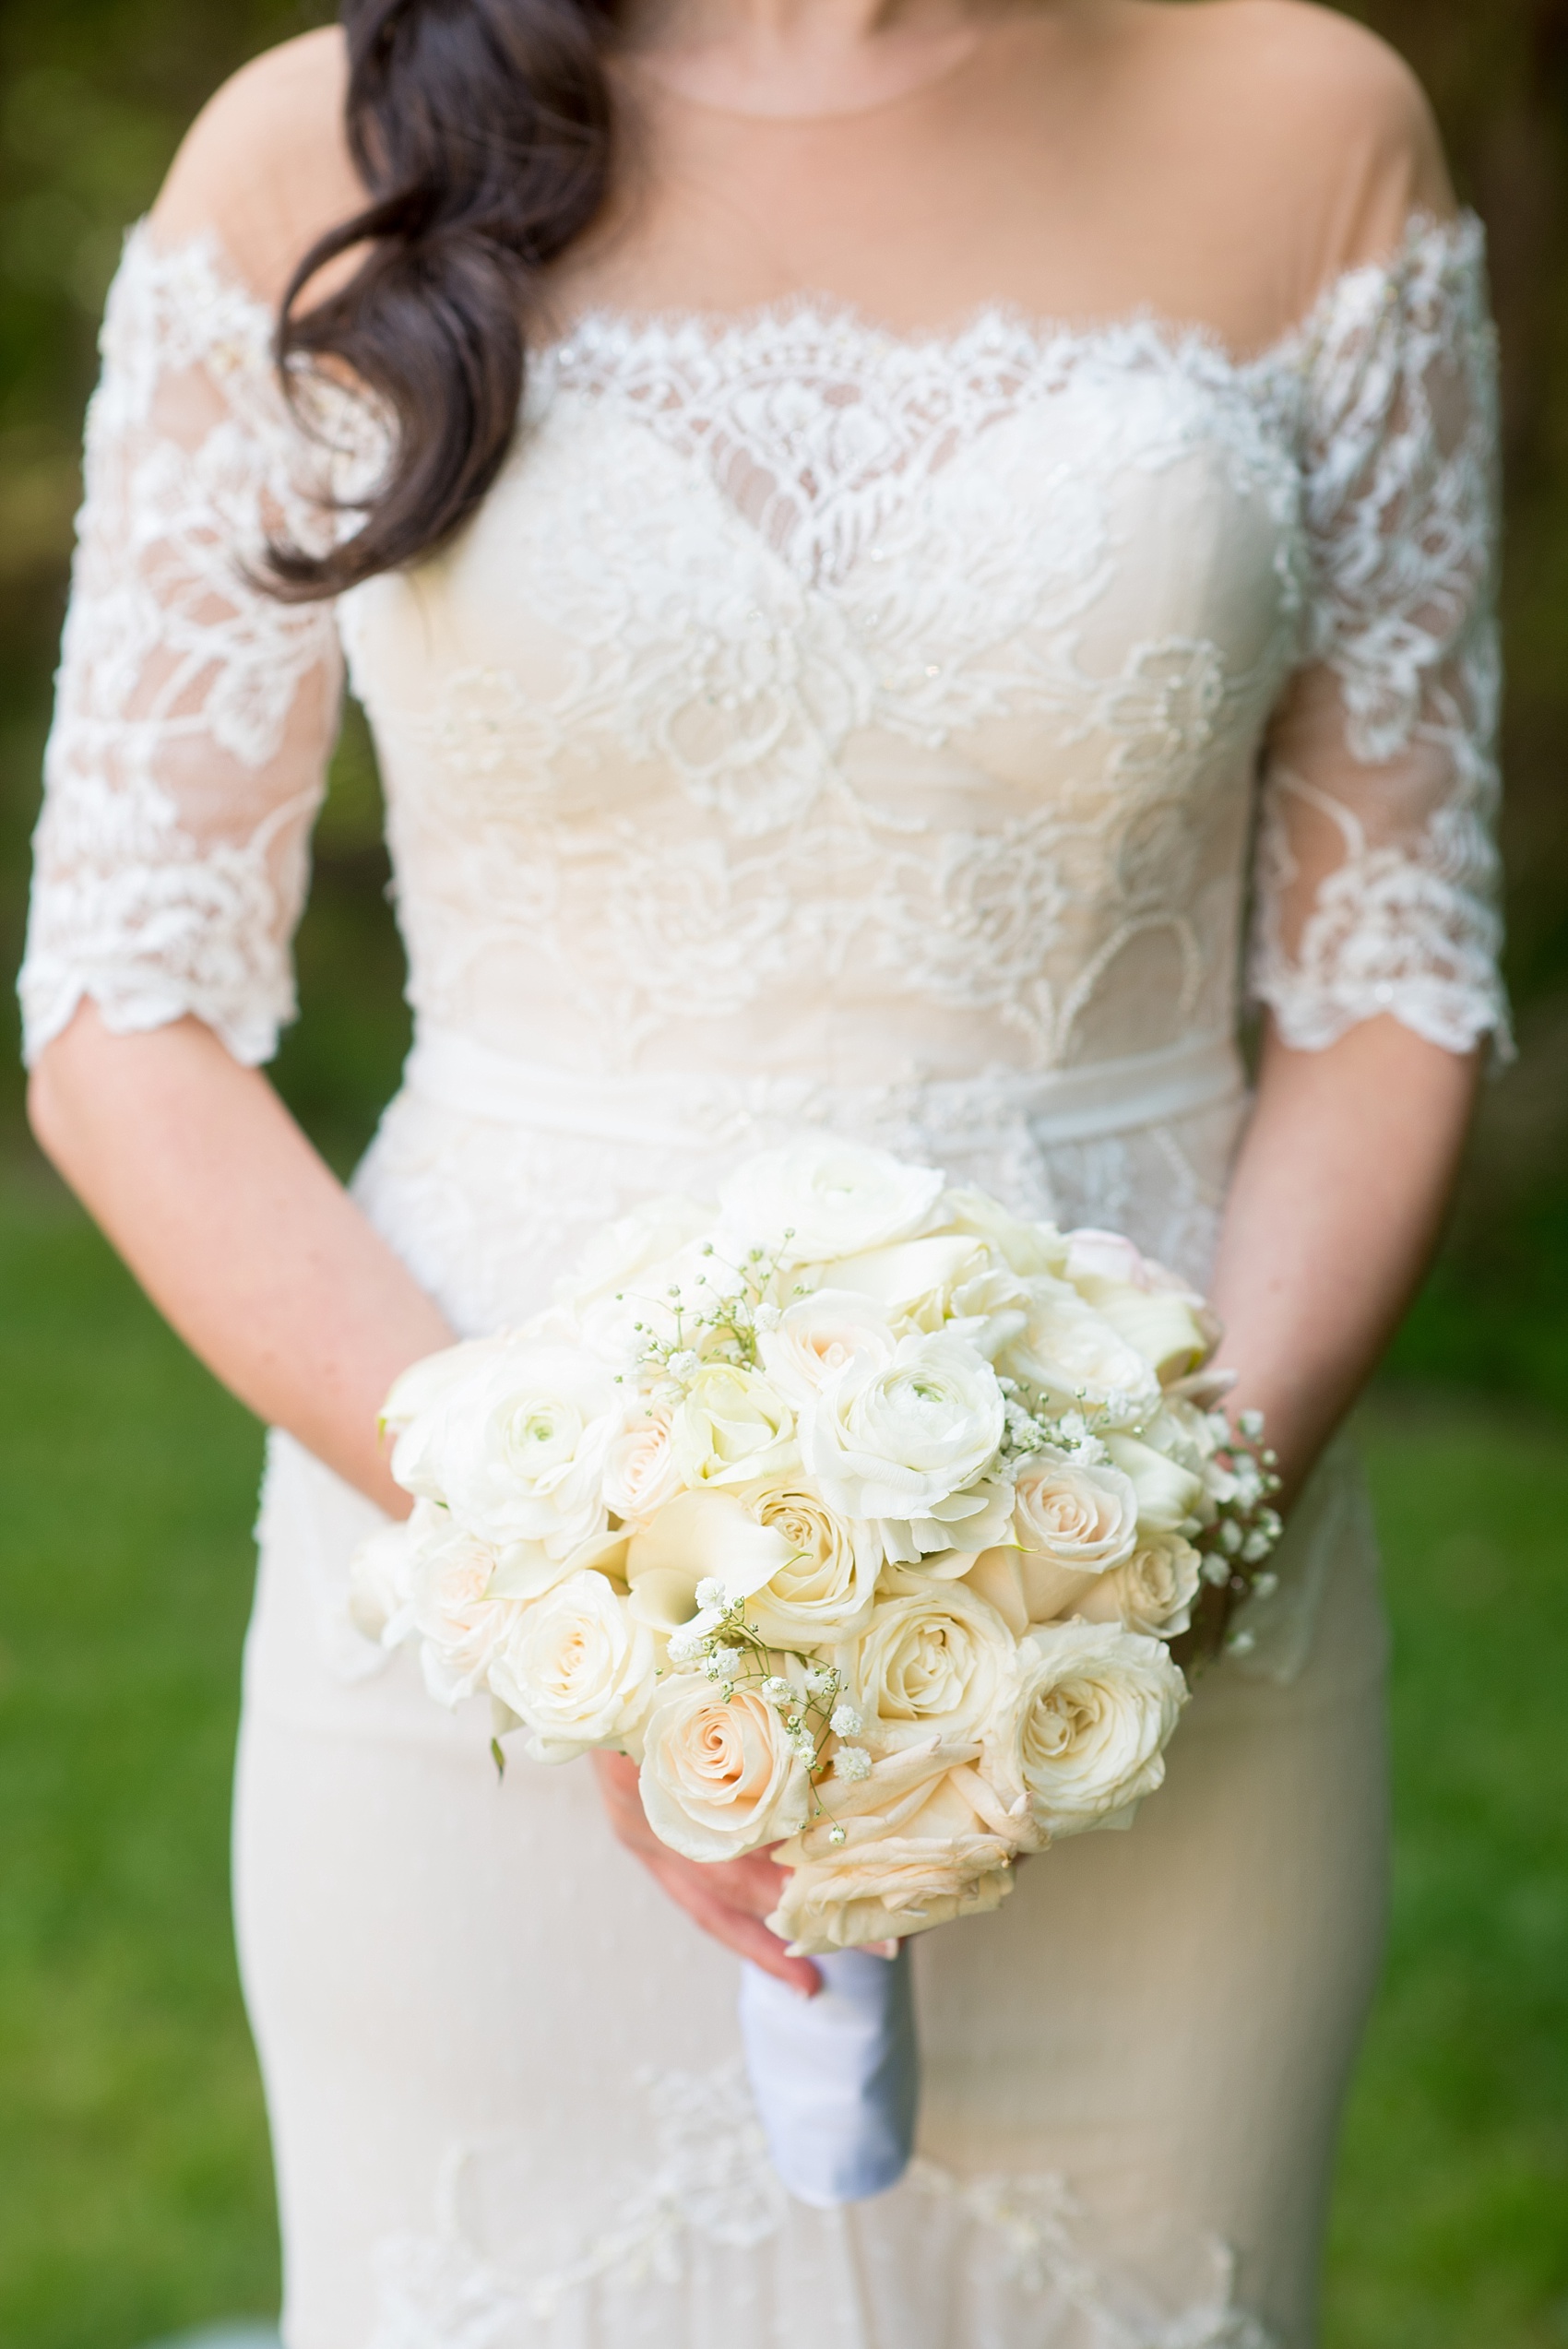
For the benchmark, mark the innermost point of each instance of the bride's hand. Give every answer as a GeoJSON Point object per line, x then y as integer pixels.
{"type": "Point", "coordinates": [729, 1898]}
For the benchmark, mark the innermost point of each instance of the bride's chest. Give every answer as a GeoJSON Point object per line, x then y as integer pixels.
{"type": "Point", "coordinates": [738, 565]}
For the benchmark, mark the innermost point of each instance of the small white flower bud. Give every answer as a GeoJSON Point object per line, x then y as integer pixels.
{"type": "Point", "coordinates": [846, 1720]}
{"type": "Point", "coordinates": [852, 1764]}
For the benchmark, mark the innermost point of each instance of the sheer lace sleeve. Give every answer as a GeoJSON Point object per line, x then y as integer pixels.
{"type": "Point", "coordinates": [1377, 875]}
{"type": "Point", "coordinates": [195, 713]}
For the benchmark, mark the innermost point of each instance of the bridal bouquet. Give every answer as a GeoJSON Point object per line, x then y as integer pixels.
{"type": "Point", "coordinates": [863, 1515]}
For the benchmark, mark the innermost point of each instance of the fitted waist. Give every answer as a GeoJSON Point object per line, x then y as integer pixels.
{"type": "Point", "coordinates": [706, 1111]}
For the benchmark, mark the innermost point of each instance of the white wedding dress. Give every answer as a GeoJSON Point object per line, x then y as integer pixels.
{"type": "Point", "coordinates": [815, 726]}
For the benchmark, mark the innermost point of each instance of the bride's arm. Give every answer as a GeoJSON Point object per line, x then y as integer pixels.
{"type": "Point", "coordinates": [1333, 1216]}
{"type": "Point", "coordinates": [193, 725]}
{"type": "Point", "coordinates": [239, 1233]}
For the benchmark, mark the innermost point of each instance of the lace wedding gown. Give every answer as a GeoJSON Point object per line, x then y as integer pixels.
{"type": "Point", "coordinates": [815, 726]}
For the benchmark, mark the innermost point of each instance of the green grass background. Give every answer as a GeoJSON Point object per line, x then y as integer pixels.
{"type": "Point", "coordinates": [134, 2188]}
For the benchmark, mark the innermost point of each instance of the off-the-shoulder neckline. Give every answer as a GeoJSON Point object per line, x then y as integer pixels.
{"type": "Point", "coordinates": [820, 320]}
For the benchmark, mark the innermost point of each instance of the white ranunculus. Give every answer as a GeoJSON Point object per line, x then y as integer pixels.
{"type": "Point", "coordinates": [1071, 1354]}
{"type": "Point", "coordinates": [578, 1669]}
{"type": "Point", "coordinates": [899, 1437]}
{"type": "Point", "coordinates": [516, 1449]}
{"type": "Point", "coordinates": [925, 1841]}
{"type": "Point", "coordinates": [834, 1198]}
{"type": "Point", "coordinates": [719, 1775]}
{"type": "Point", "coordinates": [1153, 1592]}
{"type": "Point", "coordinates": [1072, 1525]}
{"type": "Point", "coordinates": [935, 1661]}
{"type": "Point", "coordinates": [815, 1336]}
{"type": "Point", "coordinates": [825, 1590]}
{"type": "Point", "coordinates": [713, 1535]}
{"type": "Point", "coordinates": [420, 1391]}
{"type": "Point", "coordinates": [730, 1426]}
{"type": "Point", "coordinates": [1094, 1711]}
{"type": "Point", "coordinates": [641, 1471]}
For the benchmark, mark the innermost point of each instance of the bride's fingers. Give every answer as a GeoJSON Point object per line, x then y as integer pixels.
{"type": "Point", "coordinates": [745, 1935]}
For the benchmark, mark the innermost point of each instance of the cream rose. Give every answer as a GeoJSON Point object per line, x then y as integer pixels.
{"type": "Point", "coordinates": [1153, 1592]}
{"type": "Point", "coordinates": [927, 1843]}
{"type": "Point", "coordinates": [730, 1426]}
{"type": "Point", "coordinates": [826, 1587]}
{"type": "Point", "coordinates": [1094, 1711]}
{"type": "Point", "coordinates": [515, 1448]}
{"type": "Point", "coordinates": [900, 1437]}
{"type": "Point", "coordinates": [832, 1198]}
{"type": "Point", "coordinates": [576, 1668]}
{"type": "Point", "coordinates": [936, 1661]}
{"type": "Point", "coordinates": [1072, 1525]}
{"type": "Point", "coordinates": [720, 1777]}
{"type": "Point", "coordinates": [1072, 1355]}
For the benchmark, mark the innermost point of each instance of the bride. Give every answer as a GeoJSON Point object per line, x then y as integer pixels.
{"type": "Point", "coordinates": [902, 556]}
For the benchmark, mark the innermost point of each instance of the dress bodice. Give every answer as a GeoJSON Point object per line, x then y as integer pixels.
{"type": "Point", "coordinates": [815, 721]}
{"type": "Point", "coordinates": [809, 702]}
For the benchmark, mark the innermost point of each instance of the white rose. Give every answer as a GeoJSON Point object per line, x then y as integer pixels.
{"type": "Point", "coordinates": [576, 1668]}
{"type": "Point", "coordinates": [712, 1535]}
{"type": "Point", "coordinates": [516, 1448]}
{"type": "Point", "coordinates": [825, 1589]}
{"type": "Point", "coordinates": [1153, 1592]}
{"type": "Point", "coordinates": [730, 1426]}
{"type": "Point", "coordinates": [1027, 1249]}
{"type": "Point", "coordinates": [815, 1336]}
{"type": "Point", "coordinates": [834, 1198]}
{"type": "Point", "coordinates": [641, 1472]}
{"type": "Point", "coordinates": [454, 1606]}
{"type": "Point", "coordinates": [623, 1254]}
{"type": "Point", "coordinates": [720, 1777]}
{"type": "Point", "coordinates": [1072, 1355]}
{"type": "Point", "coordinates": [899, 1437]}
{"type": "Point", "coordinates": [378, 1582]}
{"type": "Point", "coordinates": [934, 1661]}
{"type": "Point", "coordinates": [1094, 1711]}
{"type": "Point", "coordinates": [1169, 1495]}
{"type": "Point", "coordinates": [425, 1385]}
{"type": "Point", "coordinates": [1072, 1524]}
{"type": "Point", "coordinates": [1167, 1323]}
{"type": "Point", "coordinates": [926, 1842]}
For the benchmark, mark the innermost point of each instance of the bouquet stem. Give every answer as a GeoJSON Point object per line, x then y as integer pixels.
{"type": "Point", "coordinates": [837, 2076]}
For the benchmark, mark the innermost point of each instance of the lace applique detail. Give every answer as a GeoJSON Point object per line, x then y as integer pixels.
{"type": "Point", "coordinates": [712, 2223]}
{"type": "Point", "coordinates": [194, 711]}
{"type": "Point", "coordinates": [1377, 876]}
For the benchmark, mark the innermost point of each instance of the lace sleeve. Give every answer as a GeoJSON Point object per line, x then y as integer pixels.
{"type": "Point", "coordinates": [195, 714]}
{"type": "Point", "coordinates": [1376, 885]}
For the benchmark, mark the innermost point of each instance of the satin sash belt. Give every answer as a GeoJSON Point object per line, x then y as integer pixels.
{"type": "Point", "coordinates": [699, 1112]}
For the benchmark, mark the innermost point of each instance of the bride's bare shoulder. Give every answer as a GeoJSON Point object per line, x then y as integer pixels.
{"type": "Point", "coordinates": [265, 168]}
{"type": "Point", "coordinates": [1344, 125]}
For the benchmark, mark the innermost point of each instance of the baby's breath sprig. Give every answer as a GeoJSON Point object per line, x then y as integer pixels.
{"type": "Point", "coordinates": [722, 1326]}
{"type": "Point", "coordinates": [1241, 1536]}
{"type": "Point", "coordinates": [812, 1704]}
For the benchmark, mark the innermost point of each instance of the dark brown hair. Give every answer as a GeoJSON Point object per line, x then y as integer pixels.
{"type": "Point", "coordinates": [480, 129]}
